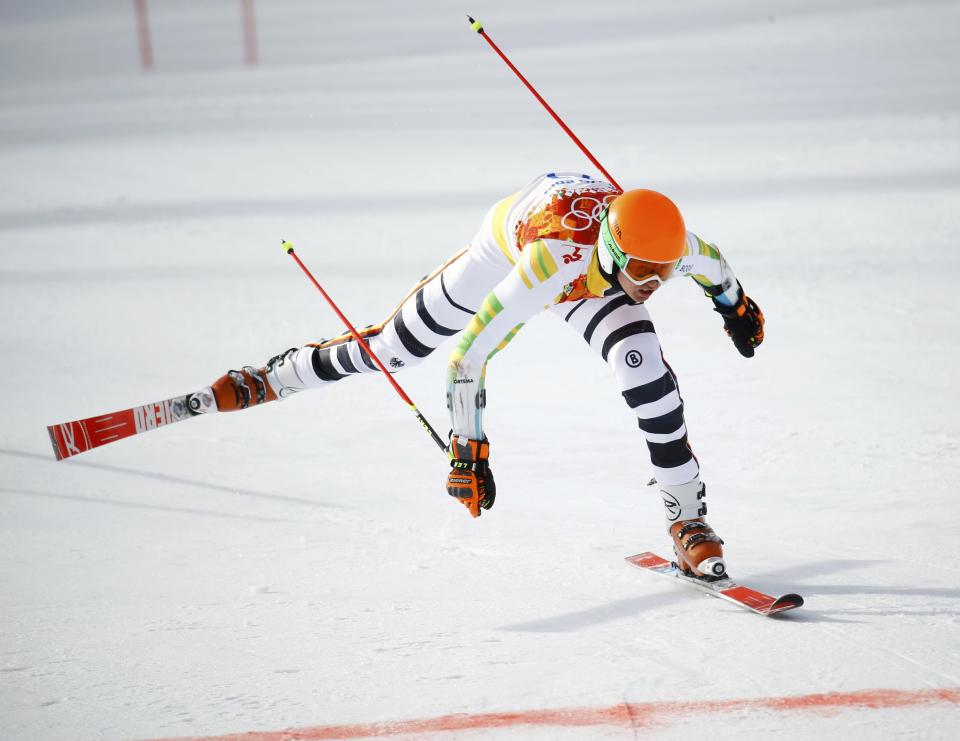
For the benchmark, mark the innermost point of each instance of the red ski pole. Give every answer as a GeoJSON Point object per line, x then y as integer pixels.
{"type": "Point", "coordinates": [476, 26]}
{"type": "Point", "coordinates": [288, 248]}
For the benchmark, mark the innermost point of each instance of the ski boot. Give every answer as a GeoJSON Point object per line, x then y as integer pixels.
{"type": "Point", "coordinates": [699, 550]}
{"type": "Point", "coordinates": [240, 389]}
{"type": "Point", "coordinates": [251, 386]}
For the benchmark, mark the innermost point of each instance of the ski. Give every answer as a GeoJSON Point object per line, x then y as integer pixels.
{"type": "Point", "coordinates": [71, 438]}
{"type": "Point", "coordinates": [724, 588]}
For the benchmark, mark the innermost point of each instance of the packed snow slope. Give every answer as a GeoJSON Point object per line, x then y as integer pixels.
{"type": "Point", "coordinates": [299, 565]}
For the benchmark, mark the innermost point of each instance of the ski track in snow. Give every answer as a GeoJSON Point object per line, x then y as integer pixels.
{"type": "Point", "coordinates": [297, 571]}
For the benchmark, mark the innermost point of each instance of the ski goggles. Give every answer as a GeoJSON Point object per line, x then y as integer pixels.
{"type": "Point", "coordinates": [634, 269]}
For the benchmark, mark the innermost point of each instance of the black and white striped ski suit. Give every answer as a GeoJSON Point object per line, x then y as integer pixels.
{"type": "Point", "coordinates": [446, 301]}
{"type": "Point", "coordinates": [535, 251]}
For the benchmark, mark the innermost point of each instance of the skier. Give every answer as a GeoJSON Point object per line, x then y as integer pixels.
{"type": "Point", "coordinates": [589, 254]}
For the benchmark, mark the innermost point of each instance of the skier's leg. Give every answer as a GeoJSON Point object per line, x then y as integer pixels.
{"type": "Point", "coordinates": [623, 334]}
{"type": "Point", "coordinates": [439, 306]}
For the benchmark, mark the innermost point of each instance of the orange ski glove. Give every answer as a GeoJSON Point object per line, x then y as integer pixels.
{"type": "Point", "coordinates": [470, 479]}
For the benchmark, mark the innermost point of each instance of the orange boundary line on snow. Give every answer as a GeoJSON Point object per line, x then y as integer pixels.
{"type": "Point", "coordinates": [625, 714]}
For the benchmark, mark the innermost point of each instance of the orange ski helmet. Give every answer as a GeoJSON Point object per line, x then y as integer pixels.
{"type": "Point", "coordinates": [642, 233]}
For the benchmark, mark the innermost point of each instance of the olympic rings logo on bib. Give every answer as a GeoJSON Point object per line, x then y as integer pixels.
{"type": "Point", "coordinates": [584, 211]}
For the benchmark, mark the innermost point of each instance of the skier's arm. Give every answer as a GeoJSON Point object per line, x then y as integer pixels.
{"type": "Point", "coordinates": [742, 318]}
{"type": "Point", "coordinates": [533, 284]}
{"type": "Point", "coordinates": [705, 264]}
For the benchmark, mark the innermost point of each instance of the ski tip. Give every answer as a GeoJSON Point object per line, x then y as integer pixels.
{"type": "Point", "coordinates": [782, 604]}
{"type": "Point", "coordinates": [286, 246]}
{"type": "Point", "coordinates": [53, 441]}
{"type": "Point", "coordinates": [475, 25]}
{"type": "Point", "coordinates": [788, 601]}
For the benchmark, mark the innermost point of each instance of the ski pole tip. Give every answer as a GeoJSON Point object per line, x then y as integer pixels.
{"type": "Point", "coordinates": [286, 246]}
{"type": "Point", "coordinates": [475, 25]}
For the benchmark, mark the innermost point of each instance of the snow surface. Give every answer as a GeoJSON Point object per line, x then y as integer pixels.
{"type": "Point", "coordinates": [299, 565]}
